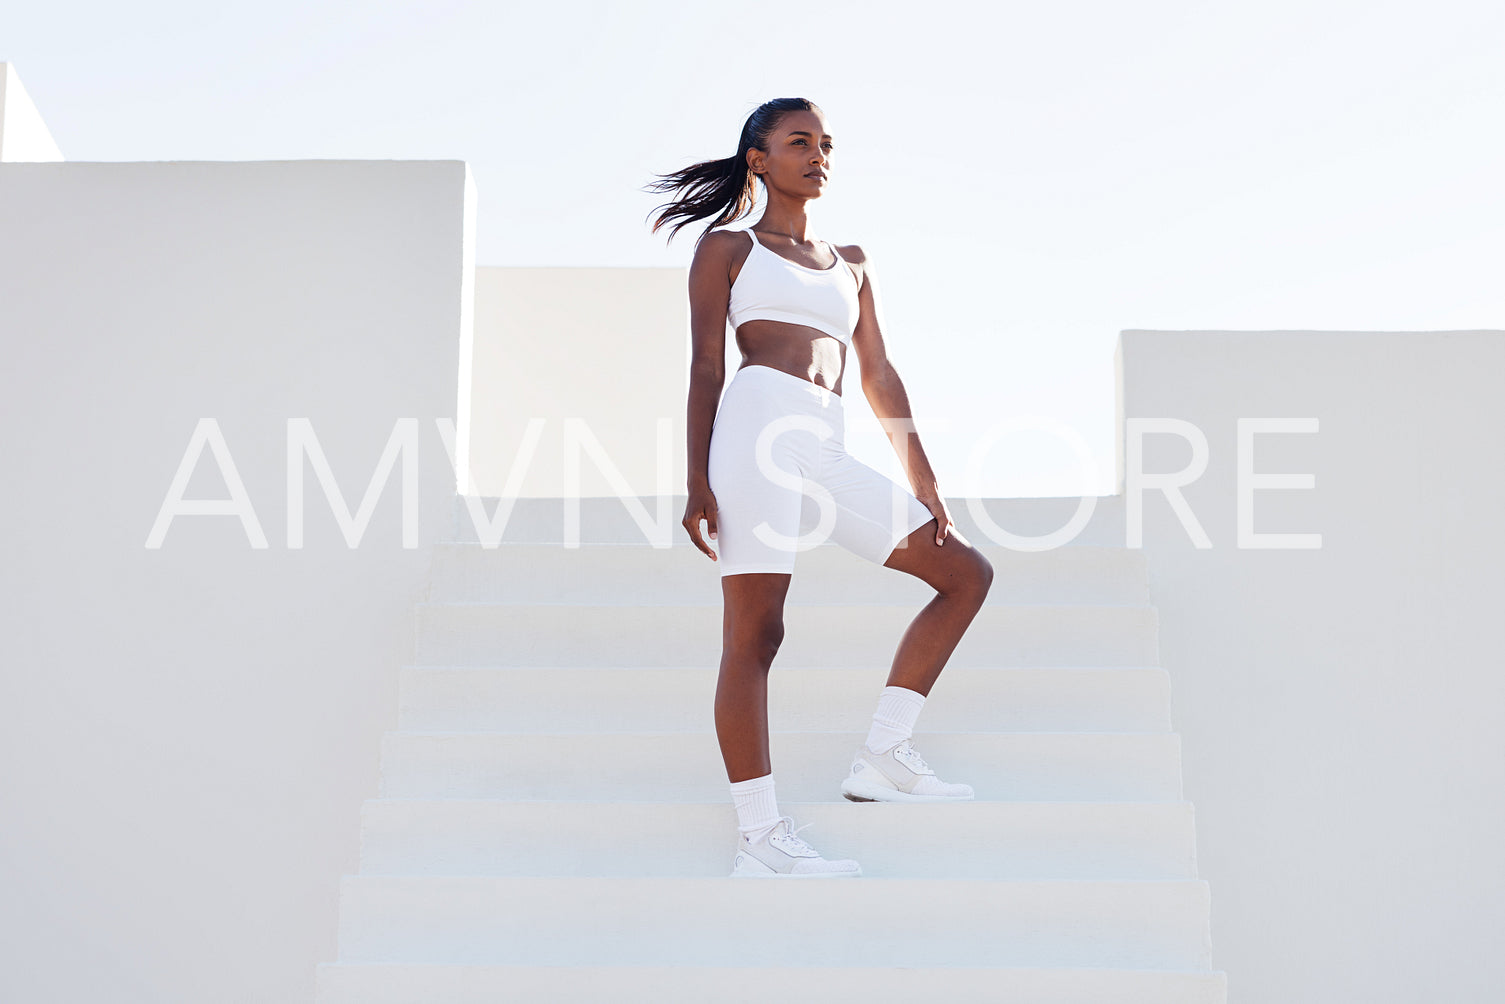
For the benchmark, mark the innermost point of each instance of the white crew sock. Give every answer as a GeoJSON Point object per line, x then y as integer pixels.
{"type": "Point", "coordinates": [898, 707]}
{"type": "Point", "coordinates": [757, 809]}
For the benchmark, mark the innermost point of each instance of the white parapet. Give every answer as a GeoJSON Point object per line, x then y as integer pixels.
{"type": "Point", "coordinates": [23, 134]}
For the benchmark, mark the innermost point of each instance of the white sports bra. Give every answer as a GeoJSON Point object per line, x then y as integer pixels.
{"type": "Point", "coordinates": [773, 288]}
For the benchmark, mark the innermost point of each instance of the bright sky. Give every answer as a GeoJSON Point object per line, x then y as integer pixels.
{"type": "Point", "coordinates": [1030, 178]}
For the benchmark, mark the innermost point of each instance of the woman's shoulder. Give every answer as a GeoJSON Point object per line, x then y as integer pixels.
{"type": "Point", "coordinates": [724, 239]}
{"type": "Point", "coordinates": [856, 258]}
{"type": "Point", "coordinates": [721, 253]}
{"type": "Point", "coordinates": [724, 245]}
{"type": "Point", "coordinates": [851, 252]}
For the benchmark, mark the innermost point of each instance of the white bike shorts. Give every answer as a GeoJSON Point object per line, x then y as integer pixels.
{"type": "Point", "coordinates": [784, 482]}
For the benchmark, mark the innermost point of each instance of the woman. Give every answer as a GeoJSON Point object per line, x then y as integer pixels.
{"type": "Point", "coordinates": [796, 303]}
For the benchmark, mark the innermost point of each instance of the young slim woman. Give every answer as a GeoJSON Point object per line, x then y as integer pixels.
{"type": "Point", "coordinates": [796, 303]}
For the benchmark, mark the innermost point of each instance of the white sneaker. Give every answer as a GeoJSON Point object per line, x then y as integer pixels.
{"type": "Point", "coordinates": [780, 853]}
{"type": "Point", "coordinates": [898, 774]}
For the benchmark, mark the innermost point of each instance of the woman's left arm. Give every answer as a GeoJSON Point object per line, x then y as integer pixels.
{"type": "Point", "coordinates": [885, 392]}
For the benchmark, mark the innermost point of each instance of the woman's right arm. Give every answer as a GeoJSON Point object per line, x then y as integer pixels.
{"type": "Point", "coordinates": [710, 291]}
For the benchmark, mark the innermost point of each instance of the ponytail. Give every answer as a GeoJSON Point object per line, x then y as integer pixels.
{"type": "Point", "coordinates": [722, 188]}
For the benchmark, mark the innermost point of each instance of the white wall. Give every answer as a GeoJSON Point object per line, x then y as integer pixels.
{"type": "Point", "coordinates": [1342, 710]}
{"type": "Point", "coordinates": [606, 347]}
{"type": "Point", "coordinates": [23, 134]}
{"type": "Point", "coordinates": [187, 733]}
{"type": "Point", "coordinates": [607, 350]}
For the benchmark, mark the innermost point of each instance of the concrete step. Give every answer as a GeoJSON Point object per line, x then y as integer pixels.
{"type": "Point", "coordinates": [955, 840]}
{"type": "Point", "coordinates": [376, 983]}
{"type": "Point", "coordinates": [644, 699]}
{"type": "Point", "coordinates": [838, 636]}
{"type": "Point", "coordinates": [488, 920]}
{"type": "Point", "coordinates": [604, 572]}
{"type": "Point", "coordinates": [807, 766]}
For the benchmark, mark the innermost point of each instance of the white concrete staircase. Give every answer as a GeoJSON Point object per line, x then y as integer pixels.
{"type": "Point", "coordinates": [554, 821]}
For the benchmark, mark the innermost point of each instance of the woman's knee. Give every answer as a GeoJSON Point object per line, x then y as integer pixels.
{"type": "Point", "coordinates": [984, 573]}
{"type": "Point", "coordinates": [970, 577]}
{"type": "Point", "coordinates": [759, 636]}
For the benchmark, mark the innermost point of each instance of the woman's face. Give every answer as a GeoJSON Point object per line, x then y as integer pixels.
{"type": "Point", "coordinates": [798, 158]}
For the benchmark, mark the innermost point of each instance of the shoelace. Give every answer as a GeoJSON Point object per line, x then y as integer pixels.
{"type": "Point", "coordinates": [793, 835]}
{"type": "Point", "coordinates": [909, 752]}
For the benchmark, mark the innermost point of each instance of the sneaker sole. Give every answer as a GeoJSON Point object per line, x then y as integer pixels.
{"type": "Point", "coordinates": [802, 875]}
{"type": "Point", "coordinates": [857, 790]}
{"type": "Point", "coordinates": [752, 872]}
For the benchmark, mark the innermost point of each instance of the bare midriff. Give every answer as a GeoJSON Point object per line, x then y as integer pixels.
{"type": "Point", "coordinates": [797, 349]}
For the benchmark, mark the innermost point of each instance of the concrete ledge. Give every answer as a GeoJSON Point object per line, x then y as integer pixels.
{"type": "Point", "coordinates": [353, 983]}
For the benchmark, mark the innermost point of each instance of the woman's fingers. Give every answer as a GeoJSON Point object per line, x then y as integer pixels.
{"type": "Point", "coordinates": [937, 507]}
{"type": "Point", "coordinates": [691, 524]}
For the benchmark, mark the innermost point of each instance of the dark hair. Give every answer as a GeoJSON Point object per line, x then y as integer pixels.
{"type": "Point", "coordinates": [723, 188]}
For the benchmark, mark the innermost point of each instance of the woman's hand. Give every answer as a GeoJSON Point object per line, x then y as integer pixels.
{"type": "Point", "coordinates": [702, 506]}
{"type": "Point", "coordinates": [932, 500]}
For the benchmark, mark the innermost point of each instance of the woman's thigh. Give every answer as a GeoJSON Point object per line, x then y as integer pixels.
{"type": "Point", "coordinates": [760, 453]}
{"type": "Point", "coordinates": [864, 510]}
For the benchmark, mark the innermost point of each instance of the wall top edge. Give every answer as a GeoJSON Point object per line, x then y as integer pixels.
{"type": "Point", "coordinates": [592, 268]}
{"type": "Point", "coordinates": [58, 165]}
